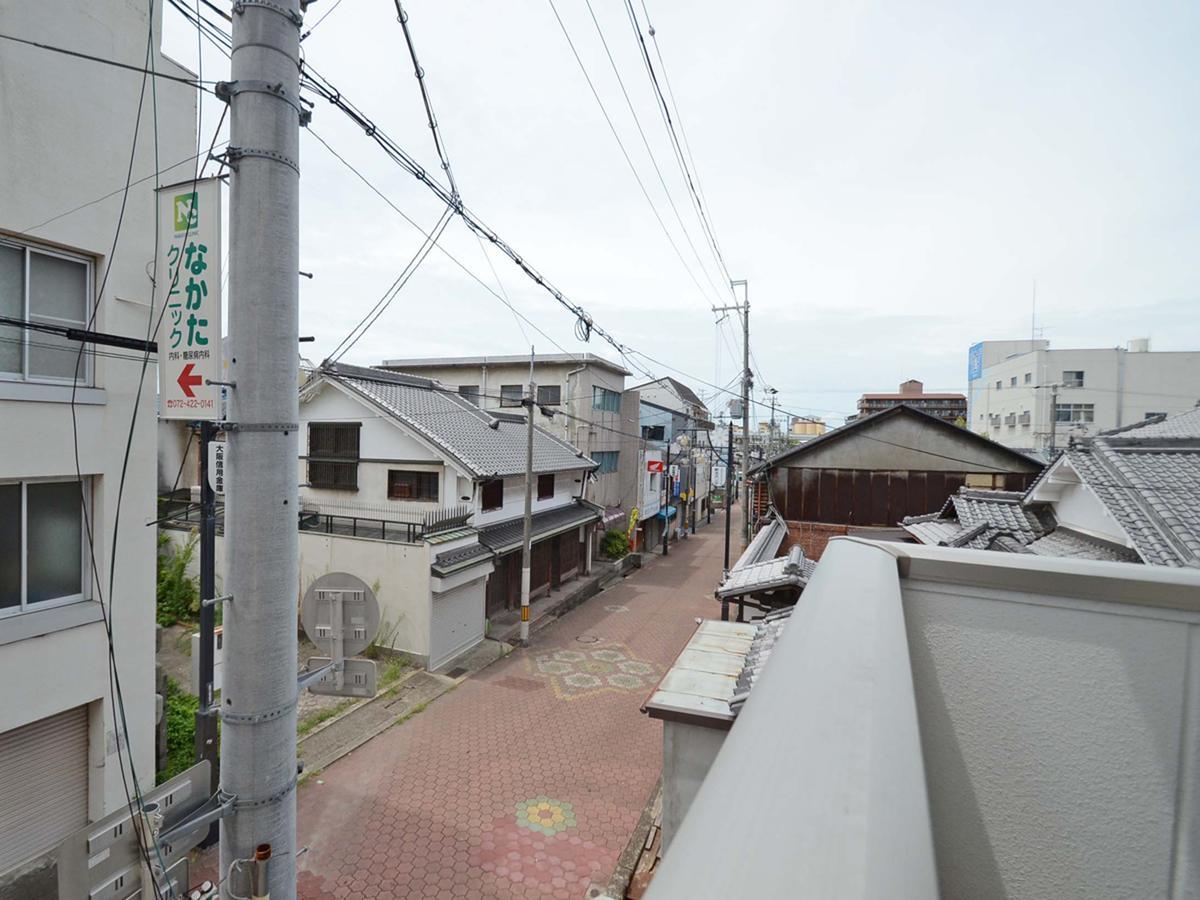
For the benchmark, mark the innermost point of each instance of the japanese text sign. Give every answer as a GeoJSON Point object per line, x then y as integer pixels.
{"type": "Point", "coordinates": [188, 284]}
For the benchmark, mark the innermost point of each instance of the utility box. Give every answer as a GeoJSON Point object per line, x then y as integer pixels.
{"type": "Point", "coordinates": [218, 661]}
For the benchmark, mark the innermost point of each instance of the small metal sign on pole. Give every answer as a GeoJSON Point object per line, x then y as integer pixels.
{"type": "Point", "coordinates": [216, 467]}
{"type": "Point", "coordinates": [188, 284]}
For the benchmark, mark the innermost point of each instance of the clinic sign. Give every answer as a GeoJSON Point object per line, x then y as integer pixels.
{"type": "Point", "coordinates": [188, 285]}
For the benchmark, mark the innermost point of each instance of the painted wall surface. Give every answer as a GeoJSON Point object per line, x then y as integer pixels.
{"type": "Point", "coordinates": [566, 487]}
{"type": "Point", "coordinates": [1123, 387]}
{"type": "Point", "coordinates": [398, 573]}
{"type": "Point", "coordinates": [457, 622]}
{"type": "Point", "coordinates": [1058, 735]}
{"type": "Point", "coordinates": [84, 117]}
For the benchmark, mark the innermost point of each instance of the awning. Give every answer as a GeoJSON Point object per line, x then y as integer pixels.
{"type": "Point", "coordinates": [506, 536]}
{"type": "Point", "coordinates": [664, 514]}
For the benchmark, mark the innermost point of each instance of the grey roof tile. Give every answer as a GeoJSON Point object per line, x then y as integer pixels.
{"type": "Point", "coordinates": [485, 444]}
{"type": "Point", "coordinates": [503, 536]}
{"type": "Point", "coordinates": [1064, 542]}
{"type": "Point", "coordinates": [793, 570]}
{"type": "Point", "coordinates": [459, 558]}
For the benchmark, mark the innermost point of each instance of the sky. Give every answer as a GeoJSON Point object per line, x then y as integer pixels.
{"type": "Point", "coordinates": [894, 181]}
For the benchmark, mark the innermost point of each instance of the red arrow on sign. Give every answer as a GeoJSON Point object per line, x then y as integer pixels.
{"type": "Point", "coordinates": [187, 380]}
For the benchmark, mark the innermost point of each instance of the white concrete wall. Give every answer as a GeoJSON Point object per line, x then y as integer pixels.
{"type": "Point", "coordinates": [566, 487]}
{"type": "Point", "coordinates": [1060, 724]}
{"type": "Point", "coordinates": [1121, 386]}
{"type": "Point", "coordinates": [688, 754]}
{"type": "Point", "coordinates": [66, 138]}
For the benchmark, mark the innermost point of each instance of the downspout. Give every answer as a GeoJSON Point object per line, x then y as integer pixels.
{"type": "Point", "coordinates": [1120, 384]}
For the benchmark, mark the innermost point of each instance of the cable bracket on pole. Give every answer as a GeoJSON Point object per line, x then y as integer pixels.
{"type": "Point", "coordinates": [213, 601]}
{"type": "Point", "coordinates": [226, 90]}
{"type": "Point", "coordinates": [260, 426]}
{"type": "Point", "coordinates": [235, 153]}
{"type": "Point", "coordinates": [239, 804]}
{"type": "Point", "coordinates": [253, 718]}
{"type": "Point", "coordinates": [239, 7]}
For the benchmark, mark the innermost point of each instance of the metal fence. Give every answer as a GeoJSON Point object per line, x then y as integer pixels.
{"type": "Point", "coordinates": [380, 523]}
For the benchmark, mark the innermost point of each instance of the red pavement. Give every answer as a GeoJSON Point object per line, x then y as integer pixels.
{"type": "Point", "coordinates": [528, 780]}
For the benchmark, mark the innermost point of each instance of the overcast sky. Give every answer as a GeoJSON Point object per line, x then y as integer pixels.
{"type": "Point", "coordinates": [890, 178]}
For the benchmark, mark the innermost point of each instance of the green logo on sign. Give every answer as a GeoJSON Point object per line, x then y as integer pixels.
{"type": "Point", "coordinates": [187, 212]}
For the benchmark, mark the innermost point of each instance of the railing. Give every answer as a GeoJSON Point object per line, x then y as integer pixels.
{"type": "Point", "coordinates": [381, 523]}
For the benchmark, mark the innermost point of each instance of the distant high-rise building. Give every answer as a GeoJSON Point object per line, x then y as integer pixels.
{"type": "Point", "coordinates": [947, 407]}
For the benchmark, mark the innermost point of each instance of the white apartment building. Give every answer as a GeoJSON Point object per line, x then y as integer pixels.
{"type": "Point", "coordinates": [1023, 394]}
{"type": "Point", "coordinates": [65, 142]}
{"type": "Point", "coordinates": [584, 395]}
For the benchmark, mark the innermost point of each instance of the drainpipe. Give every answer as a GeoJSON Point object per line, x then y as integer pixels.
{"type": "Point", "coordinates": [1120, 384]}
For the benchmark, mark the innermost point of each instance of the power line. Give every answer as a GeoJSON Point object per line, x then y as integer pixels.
{"type": "Point", "coordinates": [190, 82]}
{"type": "Point", "coordinates": [317, 25]}
{"type": "Point", "coordinates": [625, 153]}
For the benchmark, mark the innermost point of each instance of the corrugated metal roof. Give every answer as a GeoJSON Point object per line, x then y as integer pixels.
{"type": "Point", "coordinates": [486, 445]}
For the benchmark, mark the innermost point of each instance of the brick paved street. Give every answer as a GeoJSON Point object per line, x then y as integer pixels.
{"type": "Point", "coordinates": [527, 780]}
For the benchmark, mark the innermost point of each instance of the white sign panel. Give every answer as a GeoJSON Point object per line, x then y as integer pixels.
{"type": "Point", "coordinates": [188, 283]}
{"type": "Point", "coordinates": [216, 466]}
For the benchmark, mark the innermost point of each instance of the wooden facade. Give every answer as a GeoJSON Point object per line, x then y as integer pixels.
{"type": "Point", "coordinates": [553, 562]}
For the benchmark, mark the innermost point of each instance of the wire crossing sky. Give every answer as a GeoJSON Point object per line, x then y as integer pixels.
{"type": "Point", "coordinates": [891, 183]}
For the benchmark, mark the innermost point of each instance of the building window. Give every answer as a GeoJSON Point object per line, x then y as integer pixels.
{"type": "Point", "coordinates": [491, 494]}
{"type": "Point", "coordinates": [654, 485]}
{"type": "Point", "coordinates": [607, 460]}
{"type": "Point", "coordinates": [41, 544]}
{"type": "Point", "coordinates": [511, 395]}
{"type": "Point", "coordinates": [48, 289]}
{"type": "Point", "coordinates": [469, 392]}
{"type": "Point", "coordinates": [654, 432]}
{"type": "Point", "coordinates": [545, 486]}
{"type": "Point", "coordinates": [549, 395]}
{"type": "Point", "coordinates": [1029, 378]}
{"type": "Point", "coordinates": [1072, 378]}
{"type": "Point", "coordinates": [1075, 412]}
{"type": "Point", "coordinates": [603, 398]}
{"type": "Point", "coordinates": [404, 484]}
{"type": "Point", "coordinates": [1012, 382]}
{"type": "Point", "coordinates": [999, 385]}
{"type": "Point", "coordinates": [333, 455]}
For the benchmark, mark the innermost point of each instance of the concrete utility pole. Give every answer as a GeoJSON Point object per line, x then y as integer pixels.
{"type": "Point", "coordinates": [1053, 414]}
{"type": "Point", "coordinates": [526, 548]}
{"type": "Point", "coordinates": [747, 382]}
{"type": "Point", "coordinates": [258, 707]}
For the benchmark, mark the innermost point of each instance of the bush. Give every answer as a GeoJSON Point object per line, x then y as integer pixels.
{"type": "Point", "coordinates": [615, 544]}
{"type": "Point", "coordinates": [178, 593]}
{"type": "Point", "coordinates": [179, 709]}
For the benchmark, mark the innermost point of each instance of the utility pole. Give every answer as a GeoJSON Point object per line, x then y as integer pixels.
{"type": "Point", "coordinates": [747, 383]}
{"type": "Point", "coordinates": [1053, 414]}
{"type": "Point", "coordinates": [728, 513]}
{"type": "Point", "coordinates": [259, 690]}
{"type": "Point", "coordinates": [666, 505]}
{"type": "Point", "coordinates": [526, 548]}
{"type": "Point", "coordinates": [206, 715]}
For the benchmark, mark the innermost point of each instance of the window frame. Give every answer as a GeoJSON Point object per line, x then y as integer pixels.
{"type": "Point", "coordinates": [422, 476]}
{"type": "Point", "coordinates": [541, 482]}
{"type": "Point", "coordinates": [600, 399]}
{"type": "Point", "coordinates": [1086, 413]}
{"type": "Point", "coordinates": [85, 511]}
{"type": "Point", "coordinates": [557, 401]}
{"type": "Point", "coordinates": [86, 369]}
{"type": "Point", "coordinates": [470, 393]}
{"type": "Point", "coordinates": [310, 458]}
{"type": "Point", "coordinates": [600, 456]}
{"type": "Point", "coordinates": [1028, 378]}
{"type": "Point", "coordinates": [484, 487]}
{"type": "Point", "coordinates": [508, 401]}
{"type": "Point", "coordinates": [1073, 382]}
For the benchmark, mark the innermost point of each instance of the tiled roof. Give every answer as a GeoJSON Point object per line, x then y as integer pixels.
{"type": "Point", "coordinates": [765, 543]}
{"type": "Point", "coordinates": [486, 445]}
{"type": "Point", "coordinates": [1064, 542]}
{"type": "Point", "coordinates": [459, 558]}
{"type": "Point", "coordinates": [1153, 494]}
{"type": "Point", "coordinates": [1183, 425]}
{"type": "Point", "coordinates": [1000, 510]}
{"type": "Point", "coordinates": [793, 570]}
{"type": "Point", "coordinates": [503, 536]}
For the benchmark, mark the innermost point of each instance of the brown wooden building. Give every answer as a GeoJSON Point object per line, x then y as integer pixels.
{"type": "Point", "coordinates": [871, 473]}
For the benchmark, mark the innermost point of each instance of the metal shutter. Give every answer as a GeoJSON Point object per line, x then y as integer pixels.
{"type": "Point", "coordinates": [43, 785]}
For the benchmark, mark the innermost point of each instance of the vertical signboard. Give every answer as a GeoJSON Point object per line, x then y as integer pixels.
{"type": "Point", "coordinates": [188, 284]}
{"type": "Point", "coordinates": [975, 362]}
{"type": "Point", "coordinates": [216, 467]}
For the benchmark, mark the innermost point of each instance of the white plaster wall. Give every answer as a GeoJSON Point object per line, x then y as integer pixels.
{"type": "Point", "coordinates": [1055, 731]}
{"type": "Point", "coordinates": [1079, 509]}
{"type": "Point", "coordinates": [65, 139]}
{"type": "Point", "coordinates": [566, 488]}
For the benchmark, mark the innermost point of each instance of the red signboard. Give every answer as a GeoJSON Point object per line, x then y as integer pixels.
{"type": "Point", "coordinates": [655, 465]}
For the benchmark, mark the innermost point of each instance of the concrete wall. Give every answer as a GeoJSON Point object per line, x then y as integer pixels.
{"type": "Point", "coordinates": [1060, 723]}
{"type": "Point", "coordinates": [66, 139]}
{"type": "Point", "coordinates": [1121, 386]}
{"type": "Point", "coordinates": [566, 487]}
{"type": "Point", "coordinates": [688, 754]}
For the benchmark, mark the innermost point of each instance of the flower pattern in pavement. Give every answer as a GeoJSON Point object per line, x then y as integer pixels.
{"type": "Point", "coordinates": [585, 673]}
{"type": "Point", "coordinates": [545, 815]}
